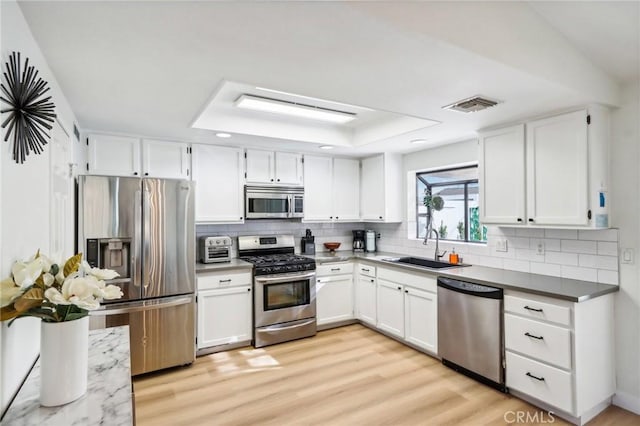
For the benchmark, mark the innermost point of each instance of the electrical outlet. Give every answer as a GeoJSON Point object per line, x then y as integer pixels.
{"type": "Point", "coordinates": [540, 248]}
{"type": "Point", "coordinates": [627, 256]}
{"type": "Point", "coordinates": [501, 245]}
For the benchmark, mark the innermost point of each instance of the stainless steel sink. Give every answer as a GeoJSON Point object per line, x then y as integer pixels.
{"type": "Point", "coordinates": [423, 262]}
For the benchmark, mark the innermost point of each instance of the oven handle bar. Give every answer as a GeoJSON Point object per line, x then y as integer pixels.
{"type": "Point", "coordinates": [279, 327]}
{"type": "Point", "coordinates": [285, 278]}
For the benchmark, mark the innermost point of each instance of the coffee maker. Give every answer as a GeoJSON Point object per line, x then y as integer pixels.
{"type": "Point", "coordinates": [358, 240]}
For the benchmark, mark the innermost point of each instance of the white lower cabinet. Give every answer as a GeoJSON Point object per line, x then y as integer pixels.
{"type": "Point", "coordinates": [334, 299]}
{"type": "Point", "coordinates": [366, 297]}
{"type": "Point", "coordinates": [560, 353]}
{"type": "Point", "coordinates": [224, 316]}
{"type": "Point", "coordinates": [408, 307]}
{"type": "Point", "coordinates": [390, 307]}
{"type": "Point", "coordinates": [225, 306]}
{"type": "Point", "coordinates": [421, 318]}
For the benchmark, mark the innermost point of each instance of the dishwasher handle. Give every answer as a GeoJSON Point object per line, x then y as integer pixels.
{"type": "Point", "coordinates": [472, 289]}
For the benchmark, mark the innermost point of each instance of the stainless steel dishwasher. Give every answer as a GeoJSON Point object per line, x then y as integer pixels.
{"type": "Point", "coordinates": [470, 330]}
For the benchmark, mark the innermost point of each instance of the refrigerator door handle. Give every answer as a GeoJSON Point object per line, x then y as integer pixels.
{"type": "Point", "coordinates": [142, 307]}
{"type": "Point", "coordinates": [137, 238]}
{"type": "Point", "coordinates": [146, 236]}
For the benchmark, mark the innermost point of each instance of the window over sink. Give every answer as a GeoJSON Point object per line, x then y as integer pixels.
{"type": "Point", "coordinates": [459, 218]}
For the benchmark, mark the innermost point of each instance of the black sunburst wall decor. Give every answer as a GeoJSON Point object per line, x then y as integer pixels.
{"type": "Point", "coordinates": [30, 115]}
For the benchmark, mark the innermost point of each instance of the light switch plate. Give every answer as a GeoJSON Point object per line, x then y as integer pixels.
{"type": "Point", "coordinates": [540, 248]}
{"type": "Point", "coordinates": [628, 255]}
{"type": "Point", "coordinates": [501, 245]}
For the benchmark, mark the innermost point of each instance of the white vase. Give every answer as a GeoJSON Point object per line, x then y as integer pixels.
{"type": "Point", "coordinates": [64, 357]}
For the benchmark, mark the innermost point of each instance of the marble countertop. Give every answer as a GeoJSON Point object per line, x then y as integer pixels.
{"type": "Point", "coordinates": [544, 285]}
{"type": "Point", "coordinates": [108, 400]}
{"type": "Point", "coordinates": [235, 263]}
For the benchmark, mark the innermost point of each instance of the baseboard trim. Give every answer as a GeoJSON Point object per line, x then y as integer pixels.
{"type": "Point", "coordinates": [627, 401]}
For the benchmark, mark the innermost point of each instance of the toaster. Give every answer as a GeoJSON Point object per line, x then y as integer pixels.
{"type": "Point", "coordinates": [214, 249]}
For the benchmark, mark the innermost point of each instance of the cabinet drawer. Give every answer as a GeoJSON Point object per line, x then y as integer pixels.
{"type": "Point", "coordinates": [336, 268]}
{"type": "Point", "coordinates": [539, 310]}
{"type": "Point", "coordinates": [542, 341]}
{"type": "Point", "coordinates": [367, 270]}
{"type": "Point", "coordinates": [229, 279]}
{"type": "Point", "coordinates": [419, 281]}
{"type": "Point", "coordinates": [541, 381]}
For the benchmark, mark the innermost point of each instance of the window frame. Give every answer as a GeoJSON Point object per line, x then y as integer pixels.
{"type": "Point", "coordinates": [465, 183]}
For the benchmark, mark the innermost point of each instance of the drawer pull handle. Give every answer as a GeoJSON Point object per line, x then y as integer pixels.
{"type": "Point", "coordinates": [225, 281]}
{"type": "Point", "coordinates": [335, 269]}
{"type": "Point", "coordinates": [533, 309]}
{"type": "Point", "coordinates": [533, 336]}
{"type": "Point", "coordinates": [366, 270]}
{"type": "Point", "coordinates": [535, 377]}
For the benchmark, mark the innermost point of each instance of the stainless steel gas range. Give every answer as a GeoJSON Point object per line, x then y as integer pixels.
{"type": "Point", "coordinates": [284, 289]}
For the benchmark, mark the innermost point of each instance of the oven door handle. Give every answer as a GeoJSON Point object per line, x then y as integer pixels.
{"type": "Point", "coordinates": [279, 327]}
{"type": "Point", "coordinates": [284, 279]}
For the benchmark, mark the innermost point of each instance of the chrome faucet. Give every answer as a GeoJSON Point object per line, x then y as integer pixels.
{"type": "Point", "coordinates": [436, 256]}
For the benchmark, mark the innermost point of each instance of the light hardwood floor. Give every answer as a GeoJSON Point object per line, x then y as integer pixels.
{"type": "Point", "coordinates": [345, 376]}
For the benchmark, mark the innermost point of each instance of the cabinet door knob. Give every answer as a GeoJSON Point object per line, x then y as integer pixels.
{"type": "Point", "coordinates": [406, 291]}
{"type": "Point", "coordinates": [380, 217]}
{"type": "Point", "coordinates": [135, 173]}
{"type": "Point", "coordinates": [240, 217]}
{"type": "Point", "coordinates": [146, 174]}
{"type": "Point", "coordinates": [372, 280]}
{"type": "Point", "coordinates": [399, 288]}
{"type": "Point", "coordinates": [531, 219]}
{"type": "Point", "coordinates": [330, 217]}
{"type": "Point", "coordinates": [519, 219]}
{"type": "Point", "coordinates": [337, 217]}
{"type": "Point", "coordinates": [278, 180]}
{"type": "Point", "coordinates": [248, 289]}
{"type": "Point", "coordinates": [271, 180]}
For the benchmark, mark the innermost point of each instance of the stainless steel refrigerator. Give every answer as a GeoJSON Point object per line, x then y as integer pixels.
{"type": "Point", "coordinates": [145, 230]}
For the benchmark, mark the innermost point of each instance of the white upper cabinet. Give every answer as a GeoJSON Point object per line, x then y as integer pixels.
{"type": "Point", "coordinates": [164, 159]}
{"type": "Point", "coordinates": [346, 189]}
{"type": "Point", "coordinates": [278, 168]}
{"type": "Point", "coordinates": [113, 155]}
{"type": "Point", "coordinates": [126, 156]}
{"type": "Point", "coordinates": [331, 189]}
{"type": "Point", "coordinates": [318, 188]}
{"type": "Point", "coordinates": [557, 176]}
{"type": "Point", "coordinates": [288, 168]}
{"type": "Point", "coordinates": [502, 176]}
{"type": "Point", "coordinates": [260, 165]}
{"type": "Point", "coordinates": [381, 188]}
{"type": "Point", "coordinates": [218, 173]}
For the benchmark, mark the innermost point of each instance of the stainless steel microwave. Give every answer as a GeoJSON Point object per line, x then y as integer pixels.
{"type": "Point", "coordinates": [274, 202]}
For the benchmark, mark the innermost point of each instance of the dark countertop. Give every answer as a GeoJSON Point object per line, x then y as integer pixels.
{"type": "Point", "coordinates": [544, 285]}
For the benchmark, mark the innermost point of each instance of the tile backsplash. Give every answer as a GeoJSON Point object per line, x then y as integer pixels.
{"type": "Point", "coordinates": [324, 232]}
{"type": "Point", "coordinates": [588, 255]}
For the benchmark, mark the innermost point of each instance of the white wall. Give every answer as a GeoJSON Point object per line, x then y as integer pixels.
{"type": "Point", "coordinates": [625, 214]}
{"type": "Point", "coordinates": [24, 202]}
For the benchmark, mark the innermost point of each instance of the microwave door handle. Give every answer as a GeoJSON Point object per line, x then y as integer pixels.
{"type": "Point", "coordinates": [290, 201]}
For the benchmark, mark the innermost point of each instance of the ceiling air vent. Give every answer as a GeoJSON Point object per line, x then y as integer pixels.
{"type": "Point", "coordinates": [474, 104]}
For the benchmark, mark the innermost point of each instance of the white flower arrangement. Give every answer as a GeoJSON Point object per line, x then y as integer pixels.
{"type": "Point", "coordinates": [40, 287]}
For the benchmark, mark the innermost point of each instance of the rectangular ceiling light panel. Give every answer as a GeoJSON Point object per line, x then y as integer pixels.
{"type": "Point", "coordinates": [257, 103]}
